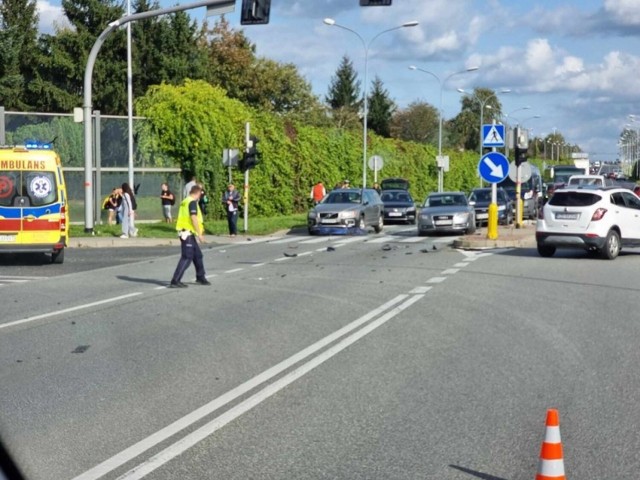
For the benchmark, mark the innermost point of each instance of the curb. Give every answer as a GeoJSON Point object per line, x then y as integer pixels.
{"type": "Point", "coordinates": [507, 238]}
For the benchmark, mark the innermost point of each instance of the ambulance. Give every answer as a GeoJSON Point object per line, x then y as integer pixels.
{"type": "Point", "coordinates": [34, 205]}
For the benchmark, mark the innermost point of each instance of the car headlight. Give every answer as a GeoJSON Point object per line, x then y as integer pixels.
{"type": "Point", "coordinates": [348, 214]}
{"type": "Point", "coordinates": [411, 209]}
{"type": "Point", "coordinates": [502, 208]}
{"type": "Point", "coordinates": [461, 217]}
{"type": "Point", "coordinates": [313, 214]}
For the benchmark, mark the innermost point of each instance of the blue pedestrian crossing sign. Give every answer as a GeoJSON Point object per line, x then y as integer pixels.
{"type": "Point", "coordinates": [493, 167]}
{"type": "Point", "coordinates": [493, 135]}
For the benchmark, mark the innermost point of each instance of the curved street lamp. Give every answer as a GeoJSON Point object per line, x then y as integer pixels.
{"type": "Point", "coordinates": [332, 23]}
{"type": "Point", "coordinates": [442, 84]}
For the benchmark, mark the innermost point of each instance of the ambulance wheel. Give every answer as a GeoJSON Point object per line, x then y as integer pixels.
{"type": "Point", "coordinates": [57, 257]}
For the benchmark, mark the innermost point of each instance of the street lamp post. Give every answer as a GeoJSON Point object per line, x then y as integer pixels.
{"type": "Point", "coordinates": [442, 84]}
{"type": "Point", "coordinates": [483, 104]}
{"type": "Point", "coordinates": [332, 23]}
{"type": "Point", "coordinates": [88, 75]}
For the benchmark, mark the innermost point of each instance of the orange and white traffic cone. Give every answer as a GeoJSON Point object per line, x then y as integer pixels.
{"type": "Point", "coordinates": [551, 466]}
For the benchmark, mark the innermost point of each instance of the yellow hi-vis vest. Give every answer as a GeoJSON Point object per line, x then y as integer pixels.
{"type": "Point", "coordinates": [184, 217]}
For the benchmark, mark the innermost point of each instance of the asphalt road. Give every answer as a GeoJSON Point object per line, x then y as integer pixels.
{"type": "Point", "coordinates": [309, 357]}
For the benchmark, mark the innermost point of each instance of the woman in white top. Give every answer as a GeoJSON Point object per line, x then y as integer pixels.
{"type": "Point", "coordinates": [128, 212]}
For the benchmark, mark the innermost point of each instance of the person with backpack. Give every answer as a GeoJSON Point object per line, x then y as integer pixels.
{"type": "Point", "coordinates": [168, 199]}
{"type": "Point", "coordinates": [129, 207]}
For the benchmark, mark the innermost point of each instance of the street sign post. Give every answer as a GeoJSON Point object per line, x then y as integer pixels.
{"type": "Point", "coordinates": [376, 162]}
{"type": "Point", "coordinates": [492, 135]}
{"type": "Point", "coordinates": [493, 168]}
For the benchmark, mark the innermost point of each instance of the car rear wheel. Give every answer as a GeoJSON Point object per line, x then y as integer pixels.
{"type": "Point", "coordinates": [546, 250]}
{"type": "Point", "coordinates": [58, 257]}
{"type": "Point", "coordinates": [378, 228]}
{"type": "Point", "coordinates": [611, 247]}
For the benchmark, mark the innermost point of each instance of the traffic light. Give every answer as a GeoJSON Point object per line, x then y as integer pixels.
{"type": "Point", "coordinates": [251, 156]}
{"type": "Point", "coordinates": [375, 3]}
{"type": "Point", "coordinates": [255, 12]}
{"type": "Point", "coordinates": [521, 145]}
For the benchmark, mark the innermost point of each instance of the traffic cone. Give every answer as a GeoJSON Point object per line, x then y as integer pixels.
{"type": "Point", "coordinates": [551, 466]}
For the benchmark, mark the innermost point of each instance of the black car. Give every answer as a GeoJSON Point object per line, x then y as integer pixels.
{"type": "Point", "coordinates": [398, 206]}
{"type": "Point", "coordinates": [480, 198]}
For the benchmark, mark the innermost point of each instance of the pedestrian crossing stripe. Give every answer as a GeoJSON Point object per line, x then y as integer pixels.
{"type": "Point", "coordinates": [493, 138]}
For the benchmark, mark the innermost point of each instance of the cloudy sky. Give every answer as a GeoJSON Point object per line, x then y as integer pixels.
{"type": "Point", "coordinates": [576, 63]}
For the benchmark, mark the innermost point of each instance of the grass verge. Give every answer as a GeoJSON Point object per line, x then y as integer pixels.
{"type": "Point", "coordinates": [257, 226]}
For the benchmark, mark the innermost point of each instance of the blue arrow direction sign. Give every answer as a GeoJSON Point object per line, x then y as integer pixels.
{"type": "Point", "coordinates": [492, 135]}
{"type": "Point", "coordinates": [493, 167]}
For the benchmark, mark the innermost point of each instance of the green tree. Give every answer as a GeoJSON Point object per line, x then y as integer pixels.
{"type": "Point", "coordinates": [344, 90]}
{"type": "Point", "coordinates": [165, 49]}
{"type": "Point", "coordinates": [416, 123]}
{"type": "Point", "coordinates": [18, 42]}
{"type": "Point", "coordinates": [62, 58]}
{"type": "Point", "coordinates": [380, 109]}
{"type": "Point", "coordinates": [230, 56]}
{"type": "Point", "coordinates": [465, 127]}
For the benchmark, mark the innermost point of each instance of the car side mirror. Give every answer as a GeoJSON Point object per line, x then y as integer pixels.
{"type": "Point", "coordinates": [472, 202]}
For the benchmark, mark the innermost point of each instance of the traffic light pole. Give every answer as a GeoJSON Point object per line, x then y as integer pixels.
{"type": "Point", "coordinates": [245, 196]}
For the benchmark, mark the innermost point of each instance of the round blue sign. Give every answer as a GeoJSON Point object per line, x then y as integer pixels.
{"type": "Point", "coordinates": [493, 167]}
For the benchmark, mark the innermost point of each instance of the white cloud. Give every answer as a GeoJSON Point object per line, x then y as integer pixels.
{"type": "Point", "coordinates": [625, 12]}
{"type": "Point", "coordinates": [50, 17]}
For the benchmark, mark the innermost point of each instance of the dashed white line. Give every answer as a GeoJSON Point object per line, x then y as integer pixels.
{"type": "Point", "coordinates": [351, 240]}
{"type": "Point", "coordinates": [286, 240]}
{"type": "Point", "coordinates": [258, 265]}
{"type": "Point", "coordinates": [386, 238]}
{"type": "Point", "coordinates": [412, 240]}
{"type": "Point", "coordinates": [234, 270]}
{"type": "Point", "coordinates": [282, 259]}
{"type": "Point", "coordinates": [304, 254]}
{"type": "Point", "coordinates": [450, 271]}
{"type": "Point", "coordinates": [420, 290]}
{"type": "Point", "coordinates": [316, 240]}
{"type": "Point", "coordinates": [461, 264]}
{"type": "Point", "coordinates": [436, 279]}
{"type": "Point", "coordinates": [68, 310]}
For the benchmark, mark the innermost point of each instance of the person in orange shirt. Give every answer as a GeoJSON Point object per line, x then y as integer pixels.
{"type": "Point", "coordinates": [317, 193]}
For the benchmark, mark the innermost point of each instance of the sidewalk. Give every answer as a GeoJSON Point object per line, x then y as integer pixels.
{"type": "Point", "coordinates": [508, 237]}
{"type": "Point", "coordinates": [109, 242]}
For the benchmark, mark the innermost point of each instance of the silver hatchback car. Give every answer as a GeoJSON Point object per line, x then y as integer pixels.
{"type": "Point", "coordinates": [446, 212]}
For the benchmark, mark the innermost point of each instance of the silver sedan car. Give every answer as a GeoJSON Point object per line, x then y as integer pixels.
{"type": "Point", "coordinates": [345, 209]}
{"type": "Point", "coordinates": [446, 212]}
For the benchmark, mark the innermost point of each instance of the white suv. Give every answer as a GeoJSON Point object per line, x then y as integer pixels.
{"type": "Point", "coordinates": [598, 220]}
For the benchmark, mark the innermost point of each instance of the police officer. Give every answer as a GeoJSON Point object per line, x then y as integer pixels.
{"type": "Point", "coordinates": [190, 225]}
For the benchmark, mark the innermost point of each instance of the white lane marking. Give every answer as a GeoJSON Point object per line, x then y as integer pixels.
{"type": "Point", "coordinates": [161, 435]}
{"type": "Point", "coordinates": [16, 278]}
{"type": "Point", "coordinates": [316, 240]}
{"type": "Point", "coordinates": [258, 265]}
{"type": "Point", "coordinates": [351, 240]}
{"type": "Point", "coordinates": [420, 290]}
{"type": "Point", "coordinates": [386, 238]}
{"type": "Point", "coordinates": [304, 253]}
{"type": "Point", "coordinates": [216, 424]}
{"type": "Point", "coordinates": [286, 240]}
{"type": "Point", "coordinates": [436, 279]}
{"type": "Point", "coordinates": [450, 271]}
{"type": "Point", "coordinates": [461, 264]}
{"type": "Point", "coordinates": [234, 270]}
{"type": "Point", "coordinates": [282, 259]}
{"type": "Point", "coordinates": [445, 240]}
{"type": "Point", "coordinates": [412, 240]}
{"type": "Point", "coordinates": [68, 310]}
{"type": "Point", "coordinates": [6, 280]}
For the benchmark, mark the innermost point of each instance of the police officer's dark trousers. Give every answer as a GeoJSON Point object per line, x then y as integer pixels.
{"type": "Point", "coordinates": [190, 253]}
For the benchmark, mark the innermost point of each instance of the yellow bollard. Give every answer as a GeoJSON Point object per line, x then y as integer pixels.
{"type": "Point", "coordinates": [492, 225]}
{"type": "Point", "coordinates": [520, 212]}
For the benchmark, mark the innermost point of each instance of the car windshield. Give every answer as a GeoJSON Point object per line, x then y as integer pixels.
{"type": "Point", "coordinates": [401, 197]}
{"type": "Point", "coordinates": [342, 197]}
{"type": "Point", "coordinates": [480, 196]}
{"type": "Point", "coordinates": [446, 201]}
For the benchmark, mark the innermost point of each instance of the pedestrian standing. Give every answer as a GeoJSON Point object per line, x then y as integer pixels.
{"type": "Point", "coordinates": [168, 199]}
{"type": "Point", "coordinates": [317, 193]}
{"type": "Point", "coordinates": [113, 204]}
{"type": "Point", "coordinates": [190, 227]}
{"type": "Point", "coordinates": [188, 187]}
{"type": "Point", "coordinates": [129, 207]}
{"type": "Point", "coordinates": [230, 200]}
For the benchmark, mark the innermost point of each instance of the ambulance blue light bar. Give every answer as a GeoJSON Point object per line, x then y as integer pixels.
{"type": "Point", "coordinates": [36, 145]}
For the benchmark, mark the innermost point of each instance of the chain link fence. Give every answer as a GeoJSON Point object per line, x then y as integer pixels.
{"type": "Point", "coordinates": [111, 162]}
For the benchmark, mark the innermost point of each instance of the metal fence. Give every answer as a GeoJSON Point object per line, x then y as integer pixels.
{"type": "Point", "coordinates": [111, 162]}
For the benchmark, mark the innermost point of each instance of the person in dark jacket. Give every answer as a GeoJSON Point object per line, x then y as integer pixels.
{"type": "Point", "coordinates": [230, 201]}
